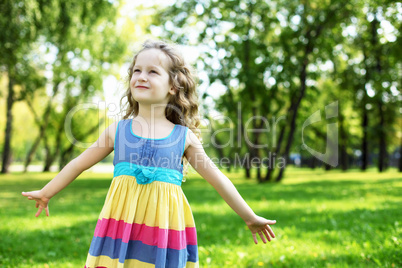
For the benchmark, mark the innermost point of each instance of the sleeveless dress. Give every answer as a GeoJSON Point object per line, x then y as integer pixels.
{"type": "Point", "coordinates": [146, 220]}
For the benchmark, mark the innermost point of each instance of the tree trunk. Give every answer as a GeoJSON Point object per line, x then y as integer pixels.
{"type": "Point", "coordinates": [313, 163]}
{"type": "Point", "coordinates": [247, 170]}
{"type": "Point", "coordinates": [327, 167]}
{"type": "Point", "coordinates": [303, 77]}
{"type": "Point", "coordinates": [295, 101]}
{"type": "Point", "coordinates": [365, 138]}
{"type": "Point", "coordinates": [400, 156]}
{"type": "Point", "coordinates": [270, 169]}
{"type": "Point", "coordinates": [48, 161]}
{"type": "Point", "coordinates": [67, 154]}
{"type": "Point", "coordinates": [42, 124]}
{"type": "Point", "coordinates": [343, 141]}
{"type": "Point", "coordinates": [400, 147]}
{"type": "Point", "coordinates": [7, 152]}
{"type": "Point", "coordinates": [249, 88]}
{"type": "Point", "coordinates": [365, 119]}
{"type": "Point", "coordinates": [31, 152]}
{"type": "Point", "coordinates": [36, 142]}
{"type": "Point", "coordinates": [255, 149]}
{"type": "Point", "coordinates": [257, 156]}
{"type": "Point", "coordinates": [219, 142]}
{"type": "Point", "coordinates": [52, 157]}
{"type": "Point", "coordinates": [246, 157]}
{"type": "Point", "coordinates": [343, 135]}
{"type": "Point", "coordinates": [382, 156]}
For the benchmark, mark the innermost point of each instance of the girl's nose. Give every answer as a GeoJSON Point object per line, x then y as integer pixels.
{"type": "Point", "coordinates": [142, 77]}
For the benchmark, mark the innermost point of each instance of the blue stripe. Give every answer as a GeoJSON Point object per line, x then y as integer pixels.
{"type": "Point", "coordinates": [147, 174]}
{"type": "Point", "coordinates": [161, 257]}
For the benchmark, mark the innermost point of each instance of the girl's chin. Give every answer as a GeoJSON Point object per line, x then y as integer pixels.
{"type": "Point", "coordinates": [149, 101]}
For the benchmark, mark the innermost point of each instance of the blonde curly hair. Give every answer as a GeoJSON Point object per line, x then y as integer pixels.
{"type": "Point", "coordinates": [182, 77]}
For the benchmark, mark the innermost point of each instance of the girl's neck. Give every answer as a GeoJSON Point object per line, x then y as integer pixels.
{"type": "Point", "coordinates": [151, 114]}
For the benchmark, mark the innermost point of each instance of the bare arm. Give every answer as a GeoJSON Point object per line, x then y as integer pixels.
{"type": "Point", "coordinates": [207, 169]}
{"type": "Point", "coordinates": [95, 153]}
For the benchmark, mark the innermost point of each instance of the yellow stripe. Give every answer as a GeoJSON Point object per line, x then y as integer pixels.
{"type": "Point", "coordinates": [158, 204]}
{"type": "Point", "coordinates": [106, 261]}
{"type": "Point", "coordinates": [190, 264]}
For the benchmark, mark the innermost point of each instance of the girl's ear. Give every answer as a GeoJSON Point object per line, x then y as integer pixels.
{"type": "Point", "coordinates": [173, 90]}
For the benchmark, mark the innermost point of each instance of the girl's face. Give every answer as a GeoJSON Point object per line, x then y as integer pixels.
{"type": "Point", "coordinates": [150, 81]}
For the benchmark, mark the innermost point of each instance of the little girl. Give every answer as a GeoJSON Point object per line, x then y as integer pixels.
{"type": "Point", "coordinates": [146, 220]}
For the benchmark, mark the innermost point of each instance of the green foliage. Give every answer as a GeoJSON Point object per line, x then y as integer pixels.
{"type": "Point", "coordinates": [57, 53]}
{"type": "Point", "coordinates": [324, 219]}
{"type": "Point", "coordinates": [275, 56]}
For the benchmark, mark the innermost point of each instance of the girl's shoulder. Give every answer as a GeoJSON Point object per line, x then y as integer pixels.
{"type": "Point", "coordinates": [111, 131]}
{"type": "Point", "coordinates": [191, 140]}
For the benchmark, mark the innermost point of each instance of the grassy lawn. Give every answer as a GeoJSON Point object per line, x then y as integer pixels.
{"type": "Point", "coordinates": [324, 219]}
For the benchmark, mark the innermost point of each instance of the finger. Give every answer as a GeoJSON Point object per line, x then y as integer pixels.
{"type": "Point", "coordinates": [255, 239]}
{"type": "Point", "coordinates": [270, 231]}
{"type": "Point", "coordinates": [267, 235]}
{"type": "Point", "coordinates": [47, 211]}
{"type": "Point", "coordinates": [39, 211]}
{"type": "Point", "coordinates": [27, 194]}
{"type": "Point", "coordinates": [37, 204]}
{"type": "Point", "coordinates": [262, 237]}
{"type": "Point", "coordinates": [271, 222]}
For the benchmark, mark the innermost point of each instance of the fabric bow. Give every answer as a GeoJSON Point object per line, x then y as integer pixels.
{"type": "Point", "coordinates": [145, 175]}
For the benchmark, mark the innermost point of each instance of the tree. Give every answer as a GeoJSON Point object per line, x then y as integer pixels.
{"type": "Point", "coordinates": [83, 40]}
{"type": "Point", "coordinates": [18, 22]}
{"type": "Point", "coordinates": [270, 57]}
{"type": "Point", "coordinates": [373, 74]}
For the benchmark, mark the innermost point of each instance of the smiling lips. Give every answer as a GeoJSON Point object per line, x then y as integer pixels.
{"type": "Point", "coordinates": [142, 87]}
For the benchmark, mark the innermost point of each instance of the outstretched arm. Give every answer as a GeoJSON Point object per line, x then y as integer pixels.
{"type": "Point", "coordinates": [95, 153]}
{"type": "Point", "coordinates": [199, 160]}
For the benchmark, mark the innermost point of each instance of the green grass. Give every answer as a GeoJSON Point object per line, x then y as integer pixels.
{"type": "Point", "coordinates": [324, 219]}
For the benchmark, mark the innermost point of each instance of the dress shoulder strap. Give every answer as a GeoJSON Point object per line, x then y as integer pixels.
{"type": "Point", "coordinates": [116, 135]}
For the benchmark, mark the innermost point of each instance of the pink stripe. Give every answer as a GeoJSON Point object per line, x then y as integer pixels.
{"type": "Point", "coordinates": [153, 236]}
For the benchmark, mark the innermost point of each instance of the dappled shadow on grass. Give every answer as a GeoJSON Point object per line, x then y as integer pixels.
{"type": "Point", "coordinates": [81, 196]}
{"type": "Point", "coordinates": [60, 245]}
{"type": "Point", "coordinates": [72, 242]}
{"type": "Point", "coordinates": [301, 211]}
{"type": "Point", "coordinates": [319, 259]}
{"type": "Point", "coordinates": [355, 225]}
{"type": "Point", "coordinates": [201, 193]}
{"type": "Point", "coordinates": [319, 212]}
{"type": "Point", "coordinates": [24, 246]}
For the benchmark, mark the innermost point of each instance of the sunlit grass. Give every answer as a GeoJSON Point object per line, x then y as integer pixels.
{"type": "Point", "coordinates": [324, 219]}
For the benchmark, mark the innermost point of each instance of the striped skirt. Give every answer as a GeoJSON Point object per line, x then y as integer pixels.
{"type": "Point", "coordinates": [144, 225]}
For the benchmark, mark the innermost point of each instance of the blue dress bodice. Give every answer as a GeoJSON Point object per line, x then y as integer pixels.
{"type": "Point", "coordinates": [149, 159]}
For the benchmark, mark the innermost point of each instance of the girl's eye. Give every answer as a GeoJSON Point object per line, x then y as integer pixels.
{"type": "Point", "coordinates": [136, 70]}
{"type": "Point", "coordinates": [152, 71]}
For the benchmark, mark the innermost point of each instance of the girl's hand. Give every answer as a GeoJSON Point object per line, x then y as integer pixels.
{"type": "Point", "coordinates": [41, 201]}
{"type": "Point", "coordinates": [260, 226]}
